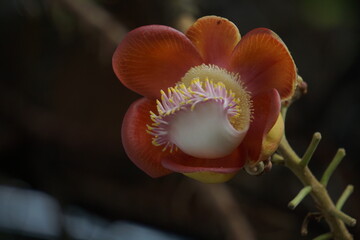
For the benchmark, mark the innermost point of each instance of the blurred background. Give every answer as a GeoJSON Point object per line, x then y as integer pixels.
{"type": "Point", "coordinates": [63, 171]}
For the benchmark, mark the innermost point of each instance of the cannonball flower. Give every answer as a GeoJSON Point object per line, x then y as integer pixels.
{"type": "Point", "coordinates": [210, 97]}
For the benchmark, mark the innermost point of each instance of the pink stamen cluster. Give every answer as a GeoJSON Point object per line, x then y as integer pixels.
{"type": "Point", "coordinates": [182, 98]}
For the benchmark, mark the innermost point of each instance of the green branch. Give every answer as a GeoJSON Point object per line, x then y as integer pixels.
{"type": "Point", "coordinates": [335, 219]}
{"type": "Point", "coordinates": [332, 166]}
{"type": "Point", "coordinates": [346, 218]}
{"type": "Point", "coordinates": [332, 214]}
{"type": "Point", "coordinates": [301, 195]}
{"type": "Point", "coordinates": [344, 196]}
{"type": "Point", "coordinates": [311, 149]}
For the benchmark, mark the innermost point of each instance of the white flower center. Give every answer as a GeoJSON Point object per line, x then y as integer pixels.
{"type": "Point", "coordinates": [202, 117]}
{"type": "Point", "coordinates": [205, 132]}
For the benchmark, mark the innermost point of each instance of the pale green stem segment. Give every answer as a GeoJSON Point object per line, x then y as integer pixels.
{"type": "Point", "coordinates": [344, 196]}
{"type": "Point", "coordinates": [332, 166]}
{"type": "Point", "coordinates": [278, 159]}
{"type": "Point", "coordinates": [324, 236]}
{"type": "Point", "coordinates": [311, 149]}
{"type": "Point", "coordinates": [301, 195]}
{"type": "Point", "coordinates": [283, 112]}
{"type": "Point", "coordinates": [346, 218]}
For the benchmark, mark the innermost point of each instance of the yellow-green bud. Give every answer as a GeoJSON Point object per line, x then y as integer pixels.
{"type": "Point", "coordinates": [272, 140]}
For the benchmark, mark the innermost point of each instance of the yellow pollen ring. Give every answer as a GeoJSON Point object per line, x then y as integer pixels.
{"type": "Point", "coordinates": [229, 81]}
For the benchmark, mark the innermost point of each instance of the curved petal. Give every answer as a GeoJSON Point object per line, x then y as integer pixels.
{"type": "Point", "coordinates": [266, 107]}
{"type": "Point", "coordinates": [183, 163]}
{"type": "Point", "coordinates": [154, 57]}
{"type": "Point", "coordinates": [264, 62]}
{"type": "Point", "coordinates": [137, 142]}
{"type": "Point", "coordinates": [215, 38]}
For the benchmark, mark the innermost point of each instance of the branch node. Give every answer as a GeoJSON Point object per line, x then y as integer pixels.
{"type": "Point", "coordinates": [344, 217]}
{"type": "Point", "coordinates": [301, 195]}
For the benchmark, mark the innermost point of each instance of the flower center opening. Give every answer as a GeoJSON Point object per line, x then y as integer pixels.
{"type": "Point", "coordinates": [206, 115]}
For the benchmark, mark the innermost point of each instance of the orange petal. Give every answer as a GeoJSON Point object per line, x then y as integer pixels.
{"type": "Point", "coordinates": [137, 142]}
{"type": "Point", "coordinates": [152, 58]}
{"type": "Point", "coordinates": [266, 107]}
{"type": "Point", "coordinates": [183, 163]}
{"type": "Point", "coordinates": [264, 62]}
{"type": "Point", "coordinates": [215, 38]}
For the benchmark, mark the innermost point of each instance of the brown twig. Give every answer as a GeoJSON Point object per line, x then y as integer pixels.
{"type": "Point", "coordinates": [311, 215]}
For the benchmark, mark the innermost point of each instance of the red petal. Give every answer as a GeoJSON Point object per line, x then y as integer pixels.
{"type": "Point", "coordinates": [137, 142]}
{"type": "Point", "coordinates": [264, 62]}
{"type": "Point", "coordinates": [154, 57]}
{"type": "Point", "coordinates": [183, 163]}
{"type": "Point", "coordinates": [215, 38]}
{"type": "Point", "coordinates": [266, 107]}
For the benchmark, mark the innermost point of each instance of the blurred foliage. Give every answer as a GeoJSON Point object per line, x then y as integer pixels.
{"type": "Point", "coordinates": [328, 14]}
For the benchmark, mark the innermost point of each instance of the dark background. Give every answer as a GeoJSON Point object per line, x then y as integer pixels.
{"type": "Point", "coordinates": [61, 109]}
